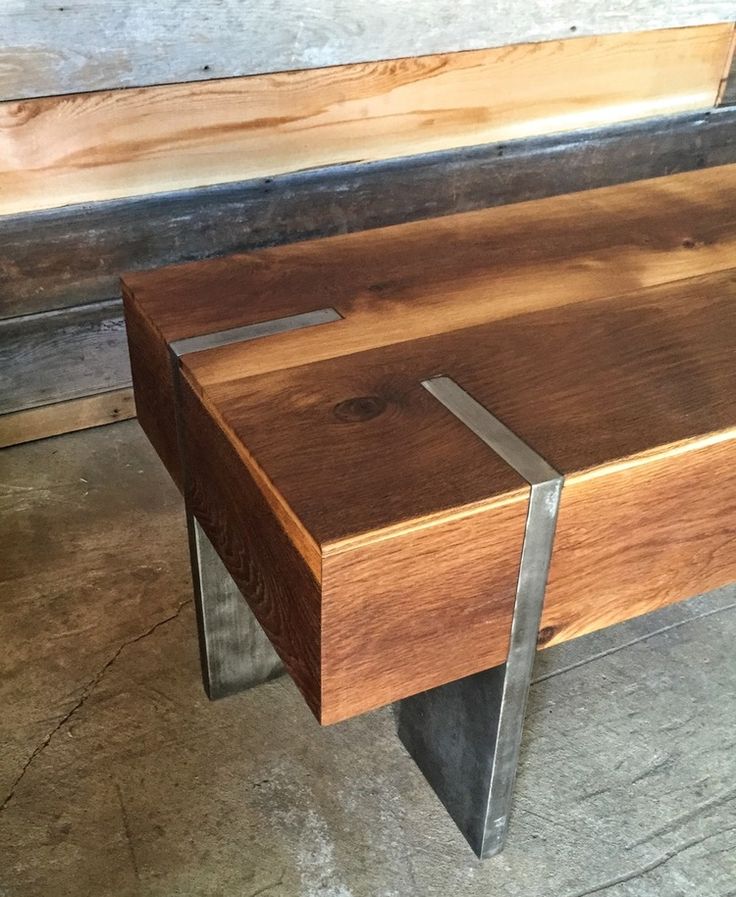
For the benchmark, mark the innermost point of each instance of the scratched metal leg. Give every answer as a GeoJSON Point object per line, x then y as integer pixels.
{"type": "Point", "coordinates": [465, 736]}
{"type": "Point", "coordinates": [235, 652]}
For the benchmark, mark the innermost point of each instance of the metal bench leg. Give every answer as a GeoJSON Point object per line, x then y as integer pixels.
{"type": "Point", "coordinates": [465, 736]}
{"type": "Point", "coordinates": [235, 652]}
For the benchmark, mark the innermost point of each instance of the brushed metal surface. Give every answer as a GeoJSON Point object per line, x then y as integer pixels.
{"type": "Point", "coordinates": [253, 331]}
{"type": "Point", "coordinates": [465, 736]}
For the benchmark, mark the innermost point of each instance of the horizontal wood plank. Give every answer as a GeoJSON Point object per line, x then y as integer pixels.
{"type": "Point", "coordinates": [71, 256]}
{"type": "Point", "coordinates": [55, 49]}
{"type": "Point", "coordinates": [66, 417]}
{"type": "Point", "coordinates": [96, 146]}
{"type": "Point", "coordinates": [60, 355]}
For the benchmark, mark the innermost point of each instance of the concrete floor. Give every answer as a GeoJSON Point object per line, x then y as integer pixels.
{"type": "Point", "coordinates": [117, 777]}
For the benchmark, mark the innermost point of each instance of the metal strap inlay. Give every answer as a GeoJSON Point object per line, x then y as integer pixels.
{"type": "Point", "coordinates": [504, 442]}
{"type": "Point", "coordinates": [253, 331]}
{"type": "Point", "coordinates": [502, 741]}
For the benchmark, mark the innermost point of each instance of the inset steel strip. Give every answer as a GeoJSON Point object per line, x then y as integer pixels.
{"type": "Point", "coordinates": [465, 736]}
{"type": "Point", "coordinates": [253, 331]}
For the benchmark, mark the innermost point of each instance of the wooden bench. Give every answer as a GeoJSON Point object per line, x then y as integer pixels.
{"type": "Point", "coordinates": [423, 451]}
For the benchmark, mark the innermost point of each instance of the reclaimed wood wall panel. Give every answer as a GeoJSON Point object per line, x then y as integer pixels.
{"type": "Point", "coordinates": [96, 146]}
{"type": "Point", "coordinates": [48, 259]}
{"type": "Point", "coordinates": [62, 355]}
{"type": "Point", "coordinates": [65, 257]}
{"type": "Point", "coordinates": [66, 417]}
{"type": "Point", "coordinates": [92, 44]}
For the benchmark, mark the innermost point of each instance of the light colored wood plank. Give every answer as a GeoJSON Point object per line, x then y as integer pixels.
{"type": "Point", "coordinates": [52, 49]}
{"type": "Point", "coordinates": [66, 417]}
{"type": "Point", "coordinates": [95, 146]}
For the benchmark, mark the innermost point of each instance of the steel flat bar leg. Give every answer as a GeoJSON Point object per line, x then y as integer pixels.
{"type": "Point", "coordinates": [465, 736]}
{"type": "Point", "coordinates": [235, 652]}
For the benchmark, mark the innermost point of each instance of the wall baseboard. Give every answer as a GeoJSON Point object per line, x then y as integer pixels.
{"type": "Point", "coordinates": [66, 417]}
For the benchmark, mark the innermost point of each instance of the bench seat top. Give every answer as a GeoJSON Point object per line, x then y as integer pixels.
{"type": "Point", "coordinates": [375, 536]}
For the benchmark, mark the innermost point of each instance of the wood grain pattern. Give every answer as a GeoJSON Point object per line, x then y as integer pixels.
{"type": "Point", "coordinates": [662, 529]}
{"type": "Point", "coordinates": [61, 355]}
{"type": "Point", "coordinates": [65, 257]}
{"type": "Point", "coordinates": [579, 246]}
{"type": "Point", "coordinates": [418, 525]}
{"type": "Point", "coordinates": [598, 327]}
{"type": "Point", "coordinates": [65, 417]}
{"type": "Point", "coordinates": [55, 49]}
{"type": "Point", "coordinates": [53, 152]}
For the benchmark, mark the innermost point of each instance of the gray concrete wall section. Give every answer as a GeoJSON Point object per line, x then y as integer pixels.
{"type": "Point", "coordinates": [118, 777]}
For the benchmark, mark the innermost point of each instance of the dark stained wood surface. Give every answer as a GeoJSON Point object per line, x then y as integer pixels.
{"type": "Point", "coordinates": [585, 385]}
{"type": "Point", "coordinates": [599, 328]}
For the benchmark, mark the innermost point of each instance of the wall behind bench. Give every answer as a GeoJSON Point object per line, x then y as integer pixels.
{"type": "Point", "coordinates": [96, 179]}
